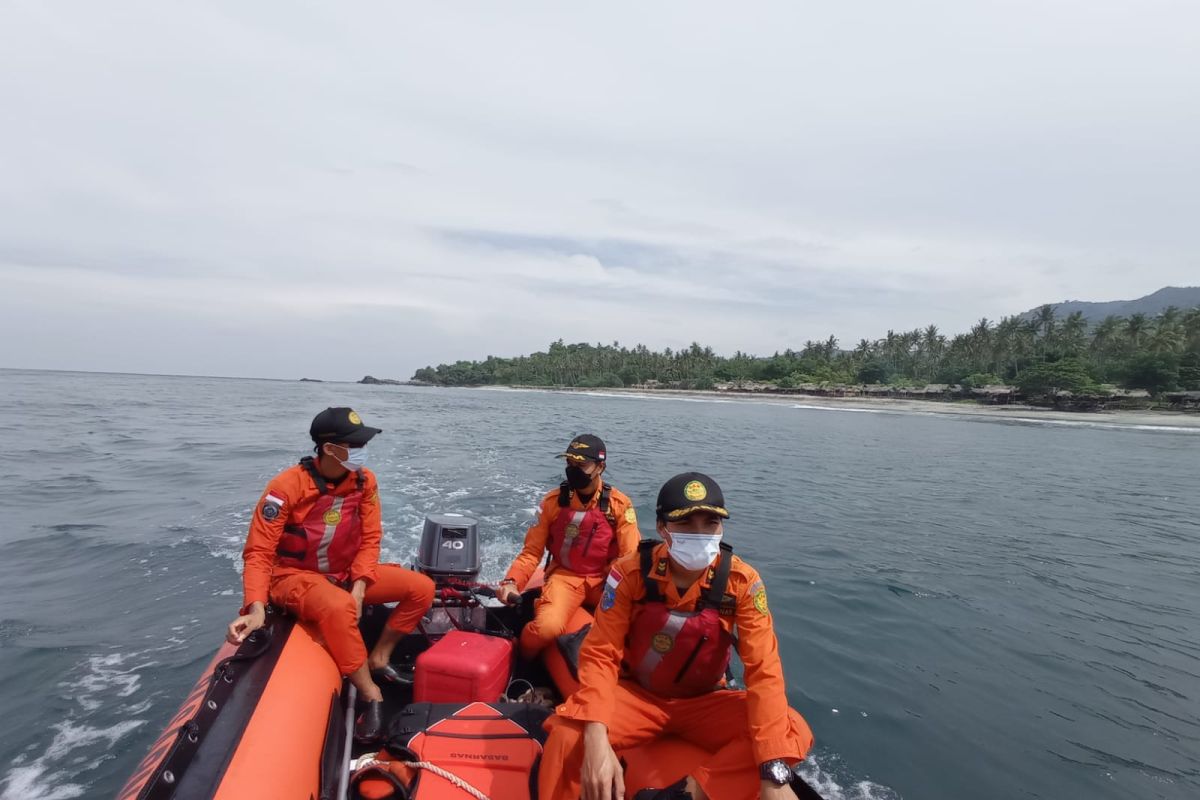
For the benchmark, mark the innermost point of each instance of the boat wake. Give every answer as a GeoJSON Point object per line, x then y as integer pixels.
{"type": "Point", "coordinates": [818, 773]}
{"type": "Point", "coordinates": [58, 772]}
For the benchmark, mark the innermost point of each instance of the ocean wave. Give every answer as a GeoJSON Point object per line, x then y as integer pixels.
{"type": "Point", "coordinates": [982, 416]}
{"type": "Point", "coordinates": [847, 410]}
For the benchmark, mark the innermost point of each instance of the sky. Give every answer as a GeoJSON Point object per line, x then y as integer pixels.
{"type": "Point", "coordinates": [330, 190]}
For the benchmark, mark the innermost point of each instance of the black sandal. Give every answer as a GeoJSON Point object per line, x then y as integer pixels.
{"type": "Point", "coordinates": [389, 674]}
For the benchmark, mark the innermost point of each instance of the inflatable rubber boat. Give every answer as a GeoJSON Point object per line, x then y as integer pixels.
{"type": "Point", "coordinates": [272, 718]}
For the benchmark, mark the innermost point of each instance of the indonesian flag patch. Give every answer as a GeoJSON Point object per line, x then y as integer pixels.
{"type": "Point", "coordinates": [610, 589]}
{"type": "Point", "coordinates": [271, 507]}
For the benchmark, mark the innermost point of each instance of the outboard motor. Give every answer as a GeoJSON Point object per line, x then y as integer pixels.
{"type": "Point", "coordinates": [449, 548]}
{"type": "Point", "coordinates": [450, 555]}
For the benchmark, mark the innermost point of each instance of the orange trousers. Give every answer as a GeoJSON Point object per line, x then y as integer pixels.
{"type": "Point", "coordinates": [716, 721]}
{"type": "Point", "coordinates": [313, 598]}
{"type": "Point", "coordinates": [562, 594]}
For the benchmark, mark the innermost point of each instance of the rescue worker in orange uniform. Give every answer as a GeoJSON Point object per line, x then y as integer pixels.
{"type": "Point", "coordinates": [655, 661]}
{"type": "Point", "coordinates": [585, 524]}
{"type": "Point", "coordinates": [313, 549]}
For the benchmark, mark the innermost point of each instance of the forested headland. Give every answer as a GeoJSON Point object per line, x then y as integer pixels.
{"type": "Point", "coordinates": [1039, 354]}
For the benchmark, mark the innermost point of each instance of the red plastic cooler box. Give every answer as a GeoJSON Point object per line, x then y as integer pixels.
{"type": "Point", "coordinates": [462, 667]}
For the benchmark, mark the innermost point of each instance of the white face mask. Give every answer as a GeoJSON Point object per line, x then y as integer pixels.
{"type": "Point", "coordinates": [356, 458]}
{"type": "Point", "coordinates": [694, 551]}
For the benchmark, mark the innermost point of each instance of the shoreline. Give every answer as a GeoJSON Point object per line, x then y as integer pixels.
{"type": "Point", "coordinates": [1017, 412]}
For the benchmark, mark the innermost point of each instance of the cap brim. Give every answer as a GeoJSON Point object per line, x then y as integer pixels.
{"type": "Point", "coordinates": [359, 437]}
{"type": "Point", "coordinates": [680, 513]}
{"type": "Point", "coordinates": [578, 457]}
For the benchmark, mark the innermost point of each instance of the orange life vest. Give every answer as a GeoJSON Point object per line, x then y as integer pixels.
{"type": "Point", "coordinates": [329, 536]}
{"type": "Point", "coordinates": [495, 747]}
{"type": "Point", "coordinates": [680, 653]}
{"type": "Point", "coordinates": [584, 542]}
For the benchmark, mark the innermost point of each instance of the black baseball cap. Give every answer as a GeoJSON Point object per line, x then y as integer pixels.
{"type": "Point", "coordinates": [342, 426]}
{"type": "Point", "coordinates": [688, 492]}
{"type": "Point", "coordinates": [585, 447]}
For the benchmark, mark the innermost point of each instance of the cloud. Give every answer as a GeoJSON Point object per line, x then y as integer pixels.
{"type": "Point", "coordinates": [193, 185]}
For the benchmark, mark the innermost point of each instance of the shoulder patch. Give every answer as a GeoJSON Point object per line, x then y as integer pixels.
{"type": "Point", "coordinates": [661, 567]}
{"type": "Point", "coordinates": [758, 593]}
{"type": "Point", "coordinates": [271, 507]}
{"type": "Point", "coordinates": [630, 515]}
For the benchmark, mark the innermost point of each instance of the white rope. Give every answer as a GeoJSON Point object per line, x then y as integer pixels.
{"type": "Point", "coordinates": [370, 761]}
{"type": "Point", "coordinates": [441, 773]}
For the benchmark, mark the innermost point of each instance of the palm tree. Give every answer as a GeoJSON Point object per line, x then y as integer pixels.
{"type": "Point", "coordinates": [1074, 333]}
{"type": "Point", "coordinates": [933, 344]}
{"type": "Point", "coordinates": [1166, 339]}
{"type": "Point", "coordinates": [912, 353]}
{"type": "Point", "coordinates": [1135, 328]}
{"type": "Point", "coordinates": [1044, 319]}
{"type": "Point", "coordinates": [890, 346]}
{"type": "Point", "coordinates": [1008, 341]}
{"type": "Point", "coordinates": [1103, 339]}
{"type": "Point", "coordinates": [1191, 328]}
{"type": "Point", "coordinates": [1169, 316]}
{"type": "Point", "coordinates": [981, 344]}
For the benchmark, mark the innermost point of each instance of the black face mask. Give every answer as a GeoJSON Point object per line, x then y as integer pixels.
{"type": "Point", "coordinates": [577, 479]}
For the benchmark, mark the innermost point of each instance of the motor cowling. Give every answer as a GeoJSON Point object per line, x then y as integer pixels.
{"type": "Point", "coordinates": [449, 548]}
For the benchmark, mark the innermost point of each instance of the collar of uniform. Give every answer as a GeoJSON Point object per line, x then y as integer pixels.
{"type": "Point", "coordinates": [661, 571]}
{"type": "Point", "coordinates": [592, 501]}
{"type": "Point", "coordinates": [333, 485]}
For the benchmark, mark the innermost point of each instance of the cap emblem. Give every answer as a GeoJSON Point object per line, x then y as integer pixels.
{"type": "Point", "coordinates": [695, 491]}
{"type": "Point", "coordinates": [354, 418]}
{"type": "Point", "coordinates": [578, 446]}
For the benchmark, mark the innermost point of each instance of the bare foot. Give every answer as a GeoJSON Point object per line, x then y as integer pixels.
{"type": "Point", "coordinates": [367, 690]}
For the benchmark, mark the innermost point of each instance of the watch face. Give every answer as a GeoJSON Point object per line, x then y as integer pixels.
{"type": "Point", "coordinates": [780, 773]}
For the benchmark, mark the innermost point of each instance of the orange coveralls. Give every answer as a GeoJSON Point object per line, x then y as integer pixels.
{"type": "Point", "coordinates": [741, 728]}
{"type": "Point", "coordinates": [564, 591]}
{"type": "Point", "coordinates": [312, 596]}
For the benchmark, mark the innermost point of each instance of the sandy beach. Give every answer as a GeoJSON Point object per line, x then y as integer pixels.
{"type": "Point", "coordinates": [1146, 420]}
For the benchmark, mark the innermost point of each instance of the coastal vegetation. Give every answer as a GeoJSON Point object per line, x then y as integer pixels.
{"type": "Point", "coordinates": [1039, 353]}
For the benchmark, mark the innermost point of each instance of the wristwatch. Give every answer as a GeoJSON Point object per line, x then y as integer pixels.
{"type": "Point", "coordinates": [777, 772]}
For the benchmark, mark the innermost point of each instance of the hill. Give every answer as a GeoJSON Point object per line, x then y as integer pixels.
{"type": "Point", "coordinates": [1182, 297]}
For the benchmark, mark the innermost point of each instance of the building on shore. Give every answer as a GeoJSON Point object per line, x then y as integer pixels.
{"type": "Point", "coordinates": [1183, 401]}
